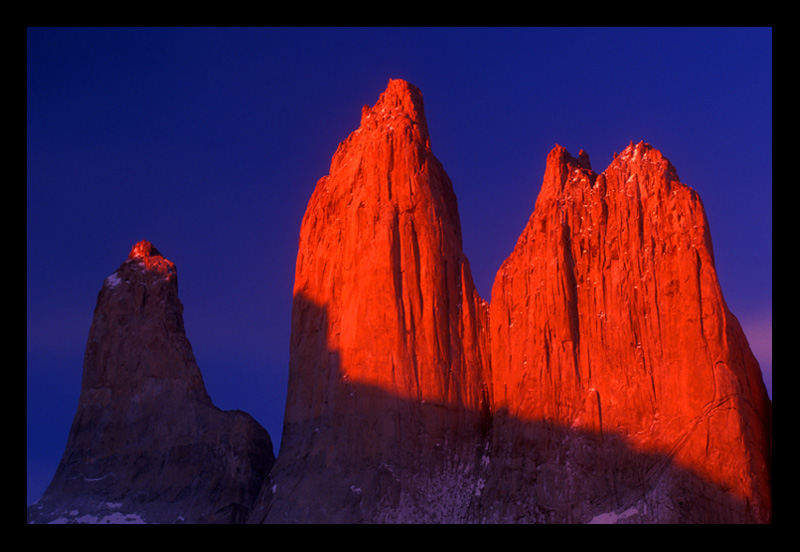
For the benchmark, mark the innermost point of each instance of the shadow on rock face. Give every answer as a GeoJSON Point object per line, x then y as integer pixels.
{"type": "Point", "coordinates": [362, 455]}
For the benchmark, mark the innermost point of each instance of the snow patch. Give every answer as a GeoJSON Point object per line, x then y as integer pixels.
{"type": "Point", "coordinates": [613, 517]}
{"type": "Point", "coordinates": [92, 479]}
{"type": "Point", "coordinates": [113, 280]}
{"type": "Point", "coordinates": [113, 518]}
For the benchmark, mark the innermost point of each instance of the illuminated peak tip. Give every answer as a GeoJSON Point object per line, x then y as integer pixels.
{"type": "Point", "coordinates": [402, 88]}
{"type": "Point", "coordinates": [400, 97]}
{"type": "Point", "coordinates": [638, 151]}
{"type": "Point", "coordinates": [560, 155]}
{"type": "Point", "coordinates": [144, 254]}
{"type": "Point", "coordinates": [397, 108]}
{"type": "Point", "coordinates": [143, 249]}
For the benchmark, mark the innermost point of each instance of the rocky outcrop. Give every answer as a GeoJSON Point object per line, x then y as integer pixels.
{"type": "Point", "coordinates": [147, 444]}
{"type": "Point", "coordinates": [388, 393]}
{"type": "Point", "coordinates": [611, 340]}
{"type": "Point", "coordinates": [610, 383]}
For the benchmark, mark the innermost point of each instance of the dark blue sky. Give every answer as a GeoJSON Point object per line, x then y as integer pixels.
{"type": "Point", "coordinates": [208, 142]}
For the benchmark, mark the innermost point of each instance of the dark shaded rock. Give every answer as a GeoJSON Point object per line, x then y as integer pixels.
{"type": "Point", "coordinates": [146, 443]}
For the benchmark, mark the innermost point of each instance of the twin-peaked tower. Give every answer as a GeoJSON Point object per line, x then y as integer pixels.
{"type": "Point", "coordinates": [613, 346]}
{"type": "Point", "coordinates": [608, 380]}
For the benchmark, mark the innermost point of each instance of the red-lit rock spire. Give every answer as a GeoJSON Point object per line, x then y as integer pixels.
{"type": "Point", "coordinates": [388, 351]}
{"type": "Point", "coordinates": [608, 318]}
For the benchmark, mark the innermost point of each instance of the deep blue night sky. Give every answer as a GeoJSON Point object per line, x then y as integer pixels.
{"type": "Point", "coordinates": [208, 143]}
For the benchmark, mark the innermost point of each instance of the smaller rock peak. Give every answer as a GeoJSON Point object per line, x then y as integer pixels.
{"type": "Point", "coordinates": [562, 170]}
{"type": "Point", "coordinates": [583, 160]}
{"type": "Point", "coordinates": [143, 249]}
{"type": "Point", "coordinates": [639, 151]}
{"type": "Point", "coordinates": [642, 154]}
{"type": "Point", "coordinates": [560, 156]}
{"type": "Point", "coordinates": [145, 254]}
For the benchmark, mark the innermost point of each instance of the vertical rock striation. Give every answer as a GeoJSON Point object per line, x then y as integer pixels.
{"type": "Point", "coordinates": [616, 360]}
{"type": "Point", "coordinates": [388, 393]}
{"type": "Point", "coordinates": [146, 443]}
{"type": "Point", "coordinates": [607, 382]}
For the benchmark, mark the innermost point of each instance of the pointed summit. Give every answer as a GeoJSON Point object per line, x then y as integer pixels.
{"type": "Point", "coordinates": [399, 108]}
{"type": "Point", "coordinates": [562, 170]}
{"type": "Point", "coordinates": [646, 158]}
{"type": "Point", "coordinates": [386, 382]}
{"type": "Point", "coordinates": [143, 249]}
{"type": "Point", "coordinates": [146, 443]}
{"type": "Point", "coordinates": [395, 124]}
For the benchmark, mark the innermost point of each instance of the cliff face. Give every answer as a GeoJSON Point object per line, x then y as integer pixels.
{"type": "Point", "coordinates": [146, 443]}
{"type": "Point", "coordinates": [607, 381]}
{"type": "Point", "coordinates": [608, 325]}
{"type": "Point", "coordinates": [388, 384]}
{"type": "Point", "coordinates": [612, 383]}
